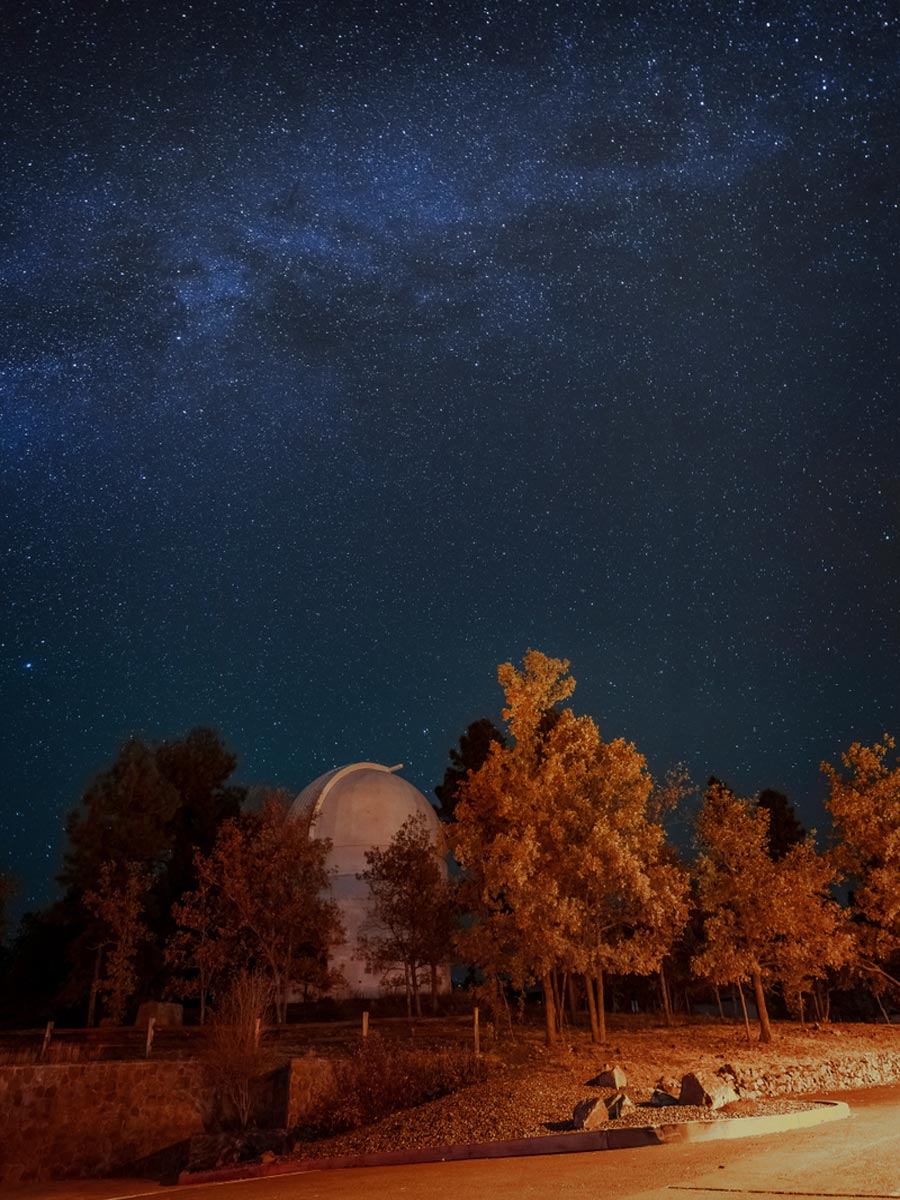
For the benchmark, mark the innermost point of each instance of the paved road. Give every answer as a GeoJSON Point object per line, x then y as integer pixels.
{"type": "Point", "coordinates": [859, 1157]}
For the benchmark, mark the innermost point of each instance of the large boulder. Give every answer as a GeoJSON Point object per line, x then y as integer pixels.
{"type": "Point", "coordinates": [611, 1076]}
{"type": "Point", "coordinates": [702, 1089]}
{"type": "Point", "coordinates": [618, 1104]}
{"type": "Point", "coordinates": [589, 1114]}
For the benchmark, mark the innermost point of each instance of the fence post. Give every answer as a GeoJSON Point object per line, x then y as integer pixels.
{"type": "Point", "coordinates": [48, 1034]}
{"type": "Point", "coordinates": [477, 1032]}
{"type": "Point", "coordinates": [365, 1025]}
{"type": "Point", "coordinates": [151, 1026]}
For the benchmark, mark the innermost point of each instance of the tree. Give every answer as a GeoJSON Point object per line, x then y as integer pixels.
{"type": "Point", "coordinates": [200, 950]}
{"type": "Point", "coordinates": [153, 806]}
{"type": "Point", "coordinates": [7, 892]}
{"type": "Point", "coordinates": [124, 820]}
{"type": "Point", "coordinates": [151, 809]}
{"type": "Point", "coordinates": [474, 746]}
{"type": "Point", "coordinates": [119, 907]}
{"type": "Point", "coordinates": [764, 920]}
{"type": "Point", "coordinates": [864, 803]}
{"type": "Point", "coordinates": [270, 879]}
{"type": "Point", "coordinates": [564, 868]}
{"type": "Point", "coordinates": [412, 910]}
{"type": "Point", "coordinates": [784, 828]}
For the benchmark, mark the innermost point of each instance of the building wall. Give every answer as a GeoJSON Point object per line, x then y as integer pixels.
{"type": "Point", "coordinates": [359, 808]}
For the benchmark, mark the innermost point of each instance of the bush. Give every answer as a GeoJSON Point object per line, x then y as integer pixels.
{"type": "Point", "coordinates": [378, 1078]}
{"type": "Point", "coordinates": [234, 1054]}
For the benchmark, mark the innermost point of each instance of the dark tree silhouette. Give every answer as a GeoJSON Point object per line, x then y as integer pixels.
{"type": "Point", "coordinates": [149, 810]}
{"type": "Point", "coordinates": [784, 828]}
{"type": "Point", "coordinates": [474, 745]}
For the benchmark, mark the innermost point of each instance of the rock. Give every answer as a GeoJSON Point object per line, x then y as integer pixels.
{"type": "Point", "coordinates": [617, 1104]}
{"type": "Point", "coordinates": [662, 1098]}
{"type": "Point", "coordinates": [268, 1157]}
{"type": "Point", "coordinates": [589, 1114]}
{"type": "Point", "coordinates": [162, 1012]}
{"type": "Point", "coordinates": [705, 1090]}
{"type": "Point", "coordinates": [611, 1075]}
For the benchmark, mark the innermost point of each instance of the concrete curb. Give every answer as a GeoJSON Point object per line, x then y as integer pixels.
{"type": "Point", "coordinates": [561, 1143]}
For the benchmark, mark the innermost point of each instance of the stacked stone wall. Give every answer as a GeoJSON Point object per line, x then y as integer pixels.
{"type": "Point", "coordinates": [832, 1075]}
{"type": "Point", "coordinates": [310, 1084]}
{"type": "Point", "coordinates": [71, 1120]}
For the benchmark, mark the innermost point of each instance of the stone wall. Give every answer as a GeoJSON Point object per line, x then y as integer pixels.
{"type": "Point", "coordinates": [310, 1082]}
{"type": "Point", "coordinates": [833, 1075]}
{"type": "Point", "coordinates": [71, 1120]}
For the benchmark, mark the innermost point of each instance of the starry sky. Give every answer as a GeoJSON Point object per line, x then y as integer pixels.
{"type": "Point", "coordinates": [353, 348]}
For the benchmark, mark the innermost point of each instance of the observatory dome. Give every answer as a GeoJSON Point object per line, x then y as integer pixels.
{"type": "Point", "coordinates": [358, 808]}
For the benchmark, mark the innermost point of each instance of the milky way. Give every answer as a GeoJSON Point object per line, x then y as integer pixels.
{"type": "Point", "coordinates": [353, 349]}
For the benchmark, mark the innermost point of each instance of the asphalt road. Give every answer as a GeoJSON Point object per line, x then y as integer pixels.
{"type": "Point", "coordinates": [858, 1157]}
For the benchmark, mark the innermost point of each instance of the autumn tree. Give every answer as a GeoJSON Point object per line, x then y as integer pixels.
{"type": "Point", "coordinates": [564, 868]}
{"type": "Point", "coordinates": [864, 803]}
{"type": "Point", "coordinates": [474, 744]}
{"type": "Point", "coordinates": [765, 920]}
{"type": "Point", "coordinates": [412, 910]}
{"type": "Point", "coordinates": [269, 880]}
{"type": "Point", "coordinates": [118, 903]}
{"type": "Point", "coordinates": [202, 948]}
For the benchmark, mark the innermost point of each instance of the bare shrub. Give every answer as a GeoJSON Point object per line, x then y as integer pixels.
{"type": "Point", "coordinates": [235, 1054]}
{"type": "Point", "coordinates": [378, 1079]}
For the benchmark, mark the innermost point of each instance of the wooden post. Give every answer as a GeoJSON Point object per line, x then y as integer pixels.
{"type": "Point", "coordinates": [48, 1033]}
{"type": "Point", "coordinates": [151, 1026]}
{"type": "Point", "coordinates": [476, 1031]}
{"type": "Point", "coordinates": [365, 1025]}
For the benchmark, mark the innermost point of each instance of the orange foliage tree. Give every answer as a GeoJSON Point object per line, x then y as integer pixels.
{"type": "Point", "coordinates": [266, 891]}
{"type": "Point", "coordinates": [765, 920]}
{"type": "Point", "coordinates": [411, 910]}
{"type": "Point", "coordinates": [566, 871]}
{"type": "Point", "coordinates": [864, 803]}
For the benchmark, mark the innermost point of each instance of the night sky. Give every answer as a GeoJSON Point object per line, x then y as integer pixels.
{"type": "Point", "coordinates": [351, 349]}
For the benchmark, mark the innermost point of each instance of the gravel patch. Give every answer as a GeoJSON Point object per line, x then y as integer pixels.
{"type": "Point", "coordinates": [518, 1104]}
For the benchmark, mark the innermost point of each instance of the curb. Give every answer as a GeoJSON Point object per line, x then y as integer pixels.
{"type": "Point", "coordinates": [561, 1143]}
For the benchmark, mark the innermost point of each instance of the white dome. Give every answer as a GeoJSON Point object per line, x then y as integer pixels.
{"type": "Point", "coordinates": [358, 808]}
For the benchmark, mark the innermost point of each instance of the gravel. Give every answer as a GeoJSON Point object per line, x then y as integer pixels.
{"type": "Point", "coordinates": [517, 1104]}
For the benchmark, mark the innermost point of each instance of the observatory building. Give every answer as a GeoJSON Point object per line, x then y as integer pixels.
{"type": "Point", "coordinates": [359, 807]}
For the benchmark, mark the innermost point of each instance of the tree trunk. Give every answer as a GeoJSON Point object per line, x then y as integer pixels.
{"type": "Point", "coordinates": [719, 1001]}
{"type": "Point", "coordinates": [549, 1009]}
{"type": "Point", "coordinates": [573, 1000]}
{"type": "Point", "coordinates": [434, 989]}
{"type": "Point", "coordinates": [765, 1029]}
{"type": "Point", "coordinates": [816, 1003]}
{"type": "Point", "coordinates": [601, 1008]}
{"type": "Point", "coordinates": [592, 1008]}
{"type": "Point", "coordinates": [417, 999]}
{"type": "Point", "coordinates": [663, 987]}
{"type": "Point", "coordinates": [95, 988]}
{"type": "Point", "coordinates": [408, 990]}
{"type": "Point", "coordinates": [743, 1008]}
{"type": "Point", "coordinates": [557, 1001]}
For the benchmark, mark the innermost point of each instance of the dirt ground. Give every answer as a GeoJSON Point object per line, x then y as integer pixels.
{"type": "Point", "coordinates": [531, 1090]}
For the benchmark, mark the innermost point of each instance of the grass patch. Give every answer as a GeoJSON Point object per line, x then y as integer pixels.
{"type": "Point", "coordinates": [379, 1078]}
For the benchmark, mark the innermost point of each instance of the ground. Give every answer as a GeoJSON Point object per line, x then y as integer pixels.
{"type": "Point", "coordinates": [531, 1090]}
